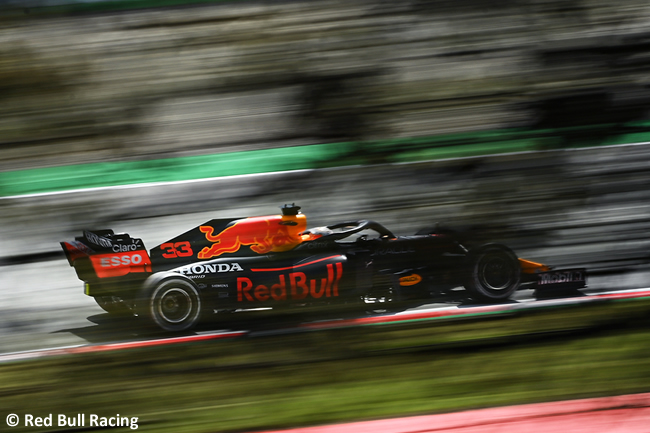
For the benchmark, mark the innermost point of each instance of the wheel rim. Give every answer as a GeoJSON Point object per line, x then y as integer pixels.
{"type": "Point", "coordinates": [175, 305]}
{"type": "Point", "coordinates": [496, 273]}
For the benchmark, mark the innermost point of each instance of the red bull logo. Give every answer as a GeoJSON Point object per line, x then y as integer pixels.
{"type": "Point", "coordinates": [262, 234]}
{"type": "Point", "coordinates": [294, 285]}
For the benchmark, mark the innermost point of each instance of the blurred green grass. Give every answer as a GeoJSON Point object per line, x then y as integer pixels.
{"type": "Point", "coordinates": [347, 374]}
{"type": "Point", "coordinates": [114, 173]}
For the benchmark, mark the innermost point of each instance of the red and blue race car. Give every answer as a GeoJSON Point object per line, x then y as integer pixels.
{"type": "Point", "coordinates": [271, 261]}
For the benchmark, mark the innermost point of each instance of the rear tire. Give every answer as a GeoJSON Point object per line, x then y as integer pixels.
{"type": "Point", "coordinates": [173, 305]}
{"type": "Point", "coordinates": [494, 273]}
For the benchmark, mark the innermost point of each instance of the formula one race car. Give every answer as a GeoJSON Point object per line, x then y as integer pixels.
{"type": "Point", "coordinates": [271, 261]}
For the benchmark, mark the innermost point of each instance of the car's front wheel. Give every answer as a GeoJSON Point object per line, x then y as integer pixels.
{"type": "Point", "coordinates": [494, 273]}
{"type": "Point", "coordinates": [173, 304]}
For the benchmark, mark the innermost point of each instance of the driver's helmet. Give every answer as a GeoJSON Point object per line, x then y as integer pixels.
{"type": "Point", "coordinates": [315, 233]}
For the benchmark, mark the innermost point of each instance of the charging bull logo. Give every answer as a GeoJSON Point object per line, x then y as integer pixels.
{"type": "Point", "coordinates": [262, 234]}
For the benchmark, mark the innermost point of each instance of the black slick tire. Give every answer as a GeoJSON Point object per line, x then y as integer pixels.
{"type": "Point", "coordinates": [173, 304]}
{"type": "Point", "coordinates": [493, 273]}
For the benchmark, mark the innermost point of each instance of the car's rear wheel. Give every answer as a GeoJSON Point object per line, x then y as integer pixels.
{"type": "Point", "coordinates": [173, 304]}
{"type": "Point", "coordinates": [494, 273]}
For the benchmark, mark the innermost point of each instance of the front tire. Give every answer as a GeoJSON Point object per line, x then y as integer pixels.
{"type": "Point", "coordinates": [494, 273]}
{"type": "Point", "coordinates": [173, 305]}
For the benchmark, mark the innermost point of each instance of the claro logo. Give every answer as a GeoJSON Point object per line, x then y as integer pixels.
{"type": "Point", "coordinates": [122, 248]}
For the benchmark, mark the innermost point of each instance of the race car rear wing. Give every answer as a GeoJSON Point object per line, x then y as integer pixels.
{"type": "Point", "coordinates": [104, 254]}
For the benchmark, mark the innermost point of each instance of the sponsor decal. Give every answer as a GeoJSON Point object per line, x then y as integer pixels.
{"type": "Point", "coordinates": [393, 250]}
{"type": "Point", "coordinates": [122, 248]}
{"type": "Point", "coordinates": [201, 269]}
{"type": "Point", "coordinates": [115, 246]}
{"type": "Point", "coordinates": [292, 285]}
{"type": "Point", "coordinates": [262, 234]}
{"type": "Point", "coordinates": [315, 245]}
{"type": "Point", "coordinates": [410, 280]}
{"type": "Point", "coordinates": [80, 246]}
{"type": "Point", "coordinates": [561, 277]}
{"type": "Point", "coordinates": [121, 260]}
{"type": "Point", "coordinates": [75, 250]}
{"type": "Point", "coordinates": [98, 240]}
{"type": "Point", "coordinates": [115, 265]}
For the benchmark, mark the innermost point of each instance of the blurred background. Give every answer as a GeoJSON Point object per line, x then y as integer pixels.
{"type": "Point", "coordinates": [102, 80]}
{"type": "Point", "coordinates": [175, 88]}
{"type": "Point", "coordinates": [500, 117]}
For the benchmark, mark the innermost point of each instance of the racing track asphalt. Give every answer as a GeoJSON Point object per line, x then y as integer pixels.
{"type": "Point", "coordinates": [618, 414]}
{"type": "Point", "coordinates": [43, 304]}
{"type": "Point", "coordinates": [622, 414]}
{"type": "Point", "coordinates": [422, 314]}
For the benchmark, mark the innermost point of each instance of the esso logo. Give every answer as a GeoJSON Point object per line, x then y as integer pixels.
{"type": "Point", "coordinates": [121, 260]}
